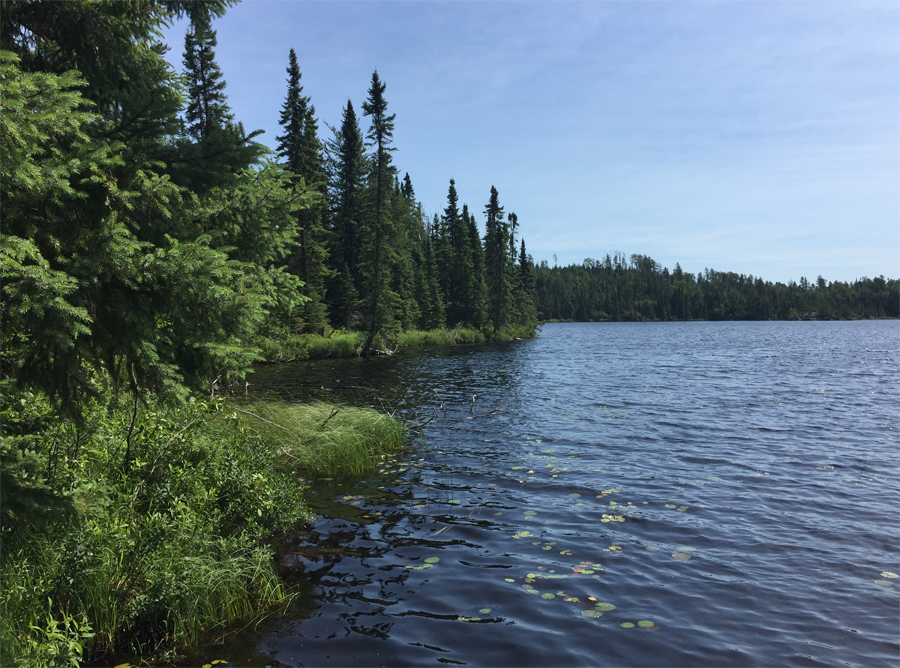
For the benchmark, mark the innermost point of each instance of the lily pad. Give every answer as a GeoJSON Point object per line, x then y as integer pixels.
{"type": "Point", "coordinates": [686, 549]}
{"type": "Point", "coordinates": [432, 560]}
{"type": "Point", "coordinates": [884, 583]}
{"type": "Point", "coordinates": [888, 574]}
{"type": "Point", "coordinates": [681, 555]}
{"type": "Point", "coordinates": [484, 611]}
{"type": "Point", "coordinates": [548, 596]}
{"type": "Point", "coordinates": [644, 624]}
{"type": "Point", "coordinates": [591, 613]}
{"type": "Point", "coordinates": [627, 625]}
{"type": "Point", "coordinates": [508, 580]}
{"type": "Point", "coordinates": [530, 512]}
{"type": "Point", "coordinates": [606, 607]}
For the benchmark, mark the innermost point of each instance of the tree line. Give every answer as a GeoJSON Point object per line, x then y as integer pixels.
{"type": "Point", "coordinates": [148, 240]}
{"type": "Point", "coordinates": [635, 289]}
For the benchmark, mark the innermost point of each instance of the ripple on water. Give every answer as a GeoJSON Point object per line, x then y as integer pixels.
{"type": "Point", "coordinates": [763, 456]}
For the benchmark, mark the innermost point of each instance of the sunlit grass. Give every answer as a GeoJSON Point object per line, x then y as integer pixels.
{"type": "Point", "coordinates": [325, 439]}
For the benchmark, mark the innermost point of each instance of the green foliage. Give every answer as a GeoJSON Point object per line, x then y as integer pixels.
{"type": "Point", "coordinates": [153, 558]}
{"type": "Point", "coordinates": [56, 642]}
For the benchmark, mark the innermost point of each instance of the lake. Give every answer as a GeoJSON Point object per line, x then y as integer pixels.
{"type": "Point", "coordinates": [628, 494]}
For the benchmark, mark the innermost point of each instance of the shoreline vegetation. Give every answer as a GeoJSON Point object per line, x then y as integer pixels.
{"type": "Point", "coordinates": [103, 562]}
{"type": "Point", "coordinates": [343, 343]}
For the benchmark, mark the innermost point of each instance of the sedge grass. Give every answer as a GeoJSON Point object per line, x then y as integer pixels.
{"type": "Point", "coordinates": [325, 439]}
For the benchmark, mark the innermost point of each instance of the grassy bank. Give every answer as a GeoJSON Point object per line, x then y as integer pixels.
{"type": "Point", "coordinates": [141, 531]}
{"type": "Point", "coordinates": [341, 343]}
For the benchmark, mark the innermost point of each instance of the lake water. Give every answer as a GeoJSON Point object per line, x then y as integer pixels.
{"type": "Point", "coordinates": [628, 494]}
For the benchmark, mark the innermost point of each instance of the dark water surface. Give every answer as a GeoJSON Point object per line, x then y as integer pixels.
{"type": "Point", "coordinates": [733, 486]}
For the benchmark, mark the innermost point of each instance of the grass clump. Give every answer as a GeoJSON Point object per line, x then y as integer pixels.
{"type": "Point", "coordinates": [324, 439]}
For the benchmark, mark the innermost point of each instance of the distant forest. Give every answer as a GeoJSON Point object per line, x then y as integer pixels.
{"type": "Point", "coordinates": [617, 289]}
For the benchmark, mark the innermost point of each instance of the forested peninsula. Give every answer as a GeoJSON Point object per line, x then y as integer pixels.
{"type": "Point", "coordinates": [153, 251]}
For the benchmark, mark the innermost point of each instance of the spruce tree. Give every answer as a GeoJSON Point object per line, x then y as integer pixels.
{"type": "Point", "coordinates": [346, 169]}
{"type": "Point", "coordinates": [496, 258]}
{"type": "Point", "coordinates": [476, 284]}
{"type": "Point", "coordinates": [207, 108]}
{"type": "Point", "coordinates": [301, 151]}
{"type": "Point", "coordinates": [380, 135]}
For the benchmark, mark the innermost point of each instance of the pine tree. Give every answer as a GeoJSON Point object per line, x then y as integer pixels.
{"type": "Point", "coordinates": [380, 135]}
{"type": "Point", "coordinates": [207, 109]}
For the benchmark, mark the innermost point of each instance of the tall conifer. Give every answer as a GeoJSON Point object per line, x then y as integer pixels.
{"type": "Point", "coordinates": [207, 109]}
{"type": "Point", "coordinates": [380, 135]}
{"type": "Point", "coordinates": [301, 151]}
{"type": "Point", "coordinates": [496, 258]}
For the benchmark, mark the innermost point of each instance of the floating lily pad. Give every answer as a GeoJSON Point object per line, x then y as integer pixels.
{"type": "Point", "coordinates": [508, 580]}
{"type": "Point", "coordinates": [686, 549]}
{"type": "Point", "coordinates": [888, 574]}
{"type": "Point", "coordinates": [591, 613]}
{"type": "Point", "coordinates": [548, 596]}
{"type": "Point", "coordinates": [530, 512]}
{"type": "Point", "coordinates": [516, 468]}
{"type": "Point", "coordinates": [681, 555]}
{"type": "Point", "coordinates": [484, 611]}
{"type": "Point", "coordinates": [575, 496]}
{"type": "Point", "coordinates": [671, 506]}
{"type": "Point", "coordinates": [652, 549]}
{"type": "Point", "coordinates": [884, 583]}
{"type": "Point", "coordinates": [606, 607]}
{"type": "Point", "coordinates": [432, 560]}
{"type": "Point", "coordinates": [627, 625]}
{"type": "Point", "coordinates": [644, 624]}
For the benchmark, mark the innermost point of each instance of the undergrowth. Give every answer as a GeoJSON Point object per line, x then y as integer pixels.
{"type": "Point", "coordinates": [143, 529]}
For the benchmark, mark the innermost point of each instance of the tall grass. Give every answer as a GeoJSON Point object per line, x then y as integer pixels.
{"type": "Point", "coordinates": [299, 347]}
{"type": "Point", "coordinates": [322, 438]}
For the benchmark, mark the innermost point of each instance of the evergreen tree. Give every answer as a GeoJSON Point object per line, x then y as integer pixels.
{"type": "Point", "coordinates": [346, 169]}
{"type": "Point", "coordinates": [496, 258]}
{"type": "Point", "coordinates": [407, 189]}
{"type": "Point", "coordinates": [207, 108]}
{"type": "Point", "coordinates": [525, 289]}
{"type": "Point", "coordinates": [459, 290]}
{"type": "Point", "coordinates": [476, 284]}
{"type": "Point", "coordinates": [301, 150]}
{"type": "Point", "coordinates": [380, 135]}
{"type": "Point", "coordinates": [146, 283]}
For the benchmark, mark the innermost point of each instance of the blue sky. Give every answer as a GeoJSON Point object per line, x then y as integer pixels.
{"type": "Point", "coordinates": [756, 137]}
